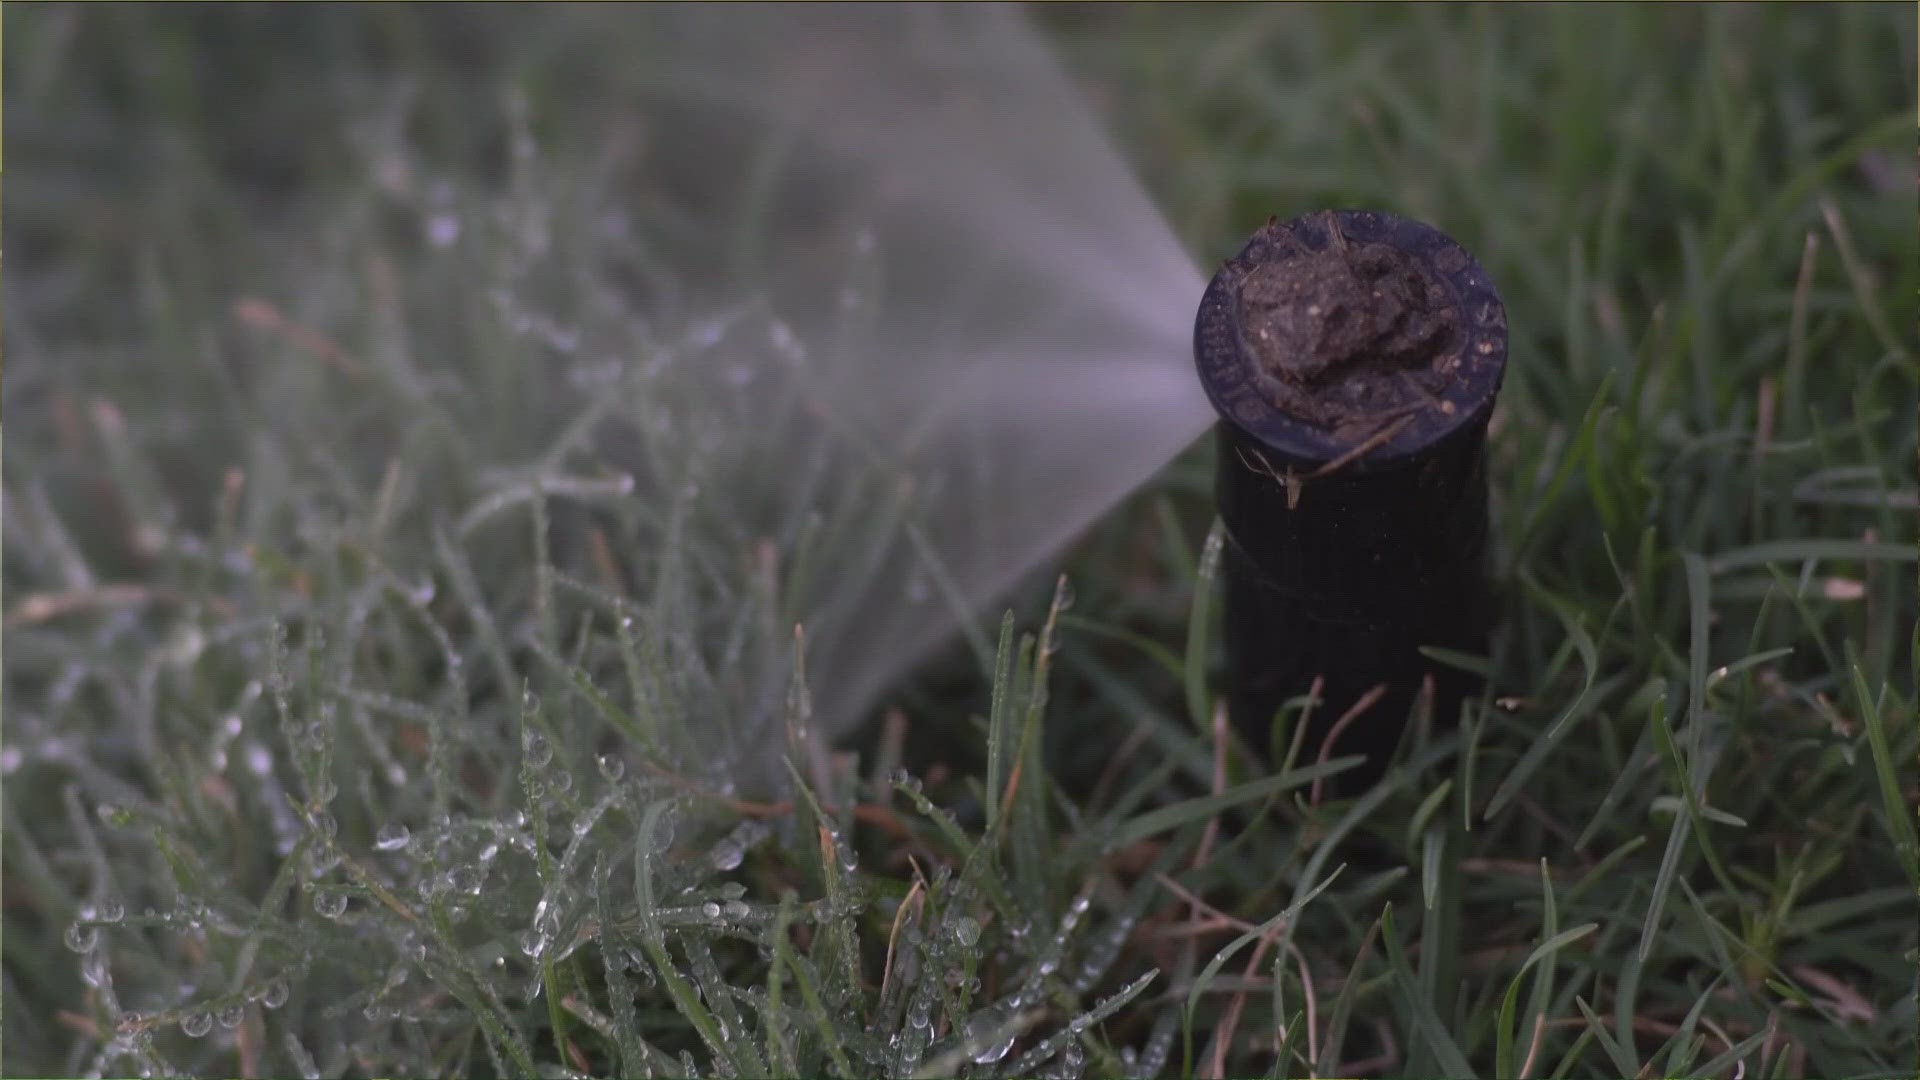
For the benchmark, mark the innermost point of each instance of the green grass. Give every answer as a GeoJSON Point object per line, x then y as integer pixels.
{"type": "Point", "coordinates": [273, 594]}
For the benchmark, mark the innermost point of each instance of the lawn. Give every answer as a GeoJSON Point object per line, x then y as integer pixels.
{"type": "Point", "coordinates": [394, 688]}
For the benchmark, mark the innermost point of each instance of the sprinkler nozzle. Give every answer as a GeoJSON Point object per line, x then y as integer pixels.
{"type": "Point", "coordinates": [1353, 358]}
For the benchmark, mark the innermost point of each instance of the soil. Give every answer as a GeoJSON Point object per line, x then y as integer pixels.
{"type": "Point", "coordinates": [1349, 337]}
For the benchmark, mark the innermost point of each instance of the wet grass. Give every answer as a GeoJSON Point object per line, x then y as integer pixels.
{"type": "Point", "coordinates": [378, 681]}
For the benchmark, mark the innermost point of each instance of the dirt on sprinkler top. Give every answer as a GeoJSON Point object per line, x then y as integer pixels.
{"type": "Point", "coordinates": [1350, 338]}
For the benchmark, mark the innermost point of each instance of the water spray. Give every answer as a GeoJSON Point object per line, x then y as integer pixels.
{"type": "Point", "coordinates": [1353, 358]}
{"type": "Point", "coordinates": [935, 319]}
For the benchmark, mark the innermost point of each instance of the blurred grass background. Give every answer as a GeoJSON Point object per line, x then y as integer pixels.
{"type": "Point", "coordinates": [1681, 833]}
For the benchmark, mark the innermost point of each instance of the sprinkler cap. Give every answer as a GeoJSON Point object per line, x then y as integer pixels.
{"type": "Point", "coordinates": [1353, 335]}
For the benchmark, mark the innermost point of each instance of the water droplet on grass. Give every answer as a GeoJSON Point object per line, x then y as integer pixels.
{"type": "Point", "coordinates": [330, 903]}
{"type": "Point", "coordinates": [466, 879]}
{"type": "Point", "coordinates": [727, 855]}
{"type": "Point", "coordinates": [196, 1024]}
{"type": "Point", "coordinates": [443, 230]}
{"type": "Point", "coordinates": [393, 836]}
{"type": "Point", "coordinates": [93, 969]}
{"type": "Point", "coordinates": [259, 760]}
{"type": "Point", "coordinates": [780, 335]}
{"type": "Point", "coordinates": [983, 1027]}
{"type": "Point", "coordinates": [275, 994]}
{"type": "Point", "coordinates": [536, 748]}
{"type": "Point", "coordinates": [82, 938]}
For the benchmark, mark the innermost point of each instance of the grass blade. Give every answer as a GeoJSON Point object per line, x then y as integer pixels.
{"type": "Point", "coordinates": [816, 1007]}
{"type": "Point", "coordinates": [1425, 1020]}
{"type": "Point", "coordinates": [1285, 918]}
{"type": "Point", "coordinates": [1200, 628]}
{"type": "Point", "coordinates": [626, 1025]}
{"type": "Point", "coordinates": [1623, 1063]}
{"type": "Point", "coordinates": [1191, 811]}
{"type": "Point", "coordinates": [1799, 551]}
{"type": "Point", "coordinates": [1900, 816]}
{"type": "Point", "coordinates": [1696, 814]}
{"type": "Point", "coordinates": [1573, 622]}
{"type": "Point", "coordinates": [997, 721]}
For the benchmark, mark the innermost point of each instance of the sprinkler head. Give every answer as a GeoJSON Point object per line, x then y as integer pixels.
{"type": "Point", "coordinates": [1353, 358]}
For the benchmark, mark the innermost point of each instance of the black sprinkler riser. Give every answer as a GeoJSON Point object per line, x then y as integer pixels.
{"type": "Point", "coordinates": [1345, 575]}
